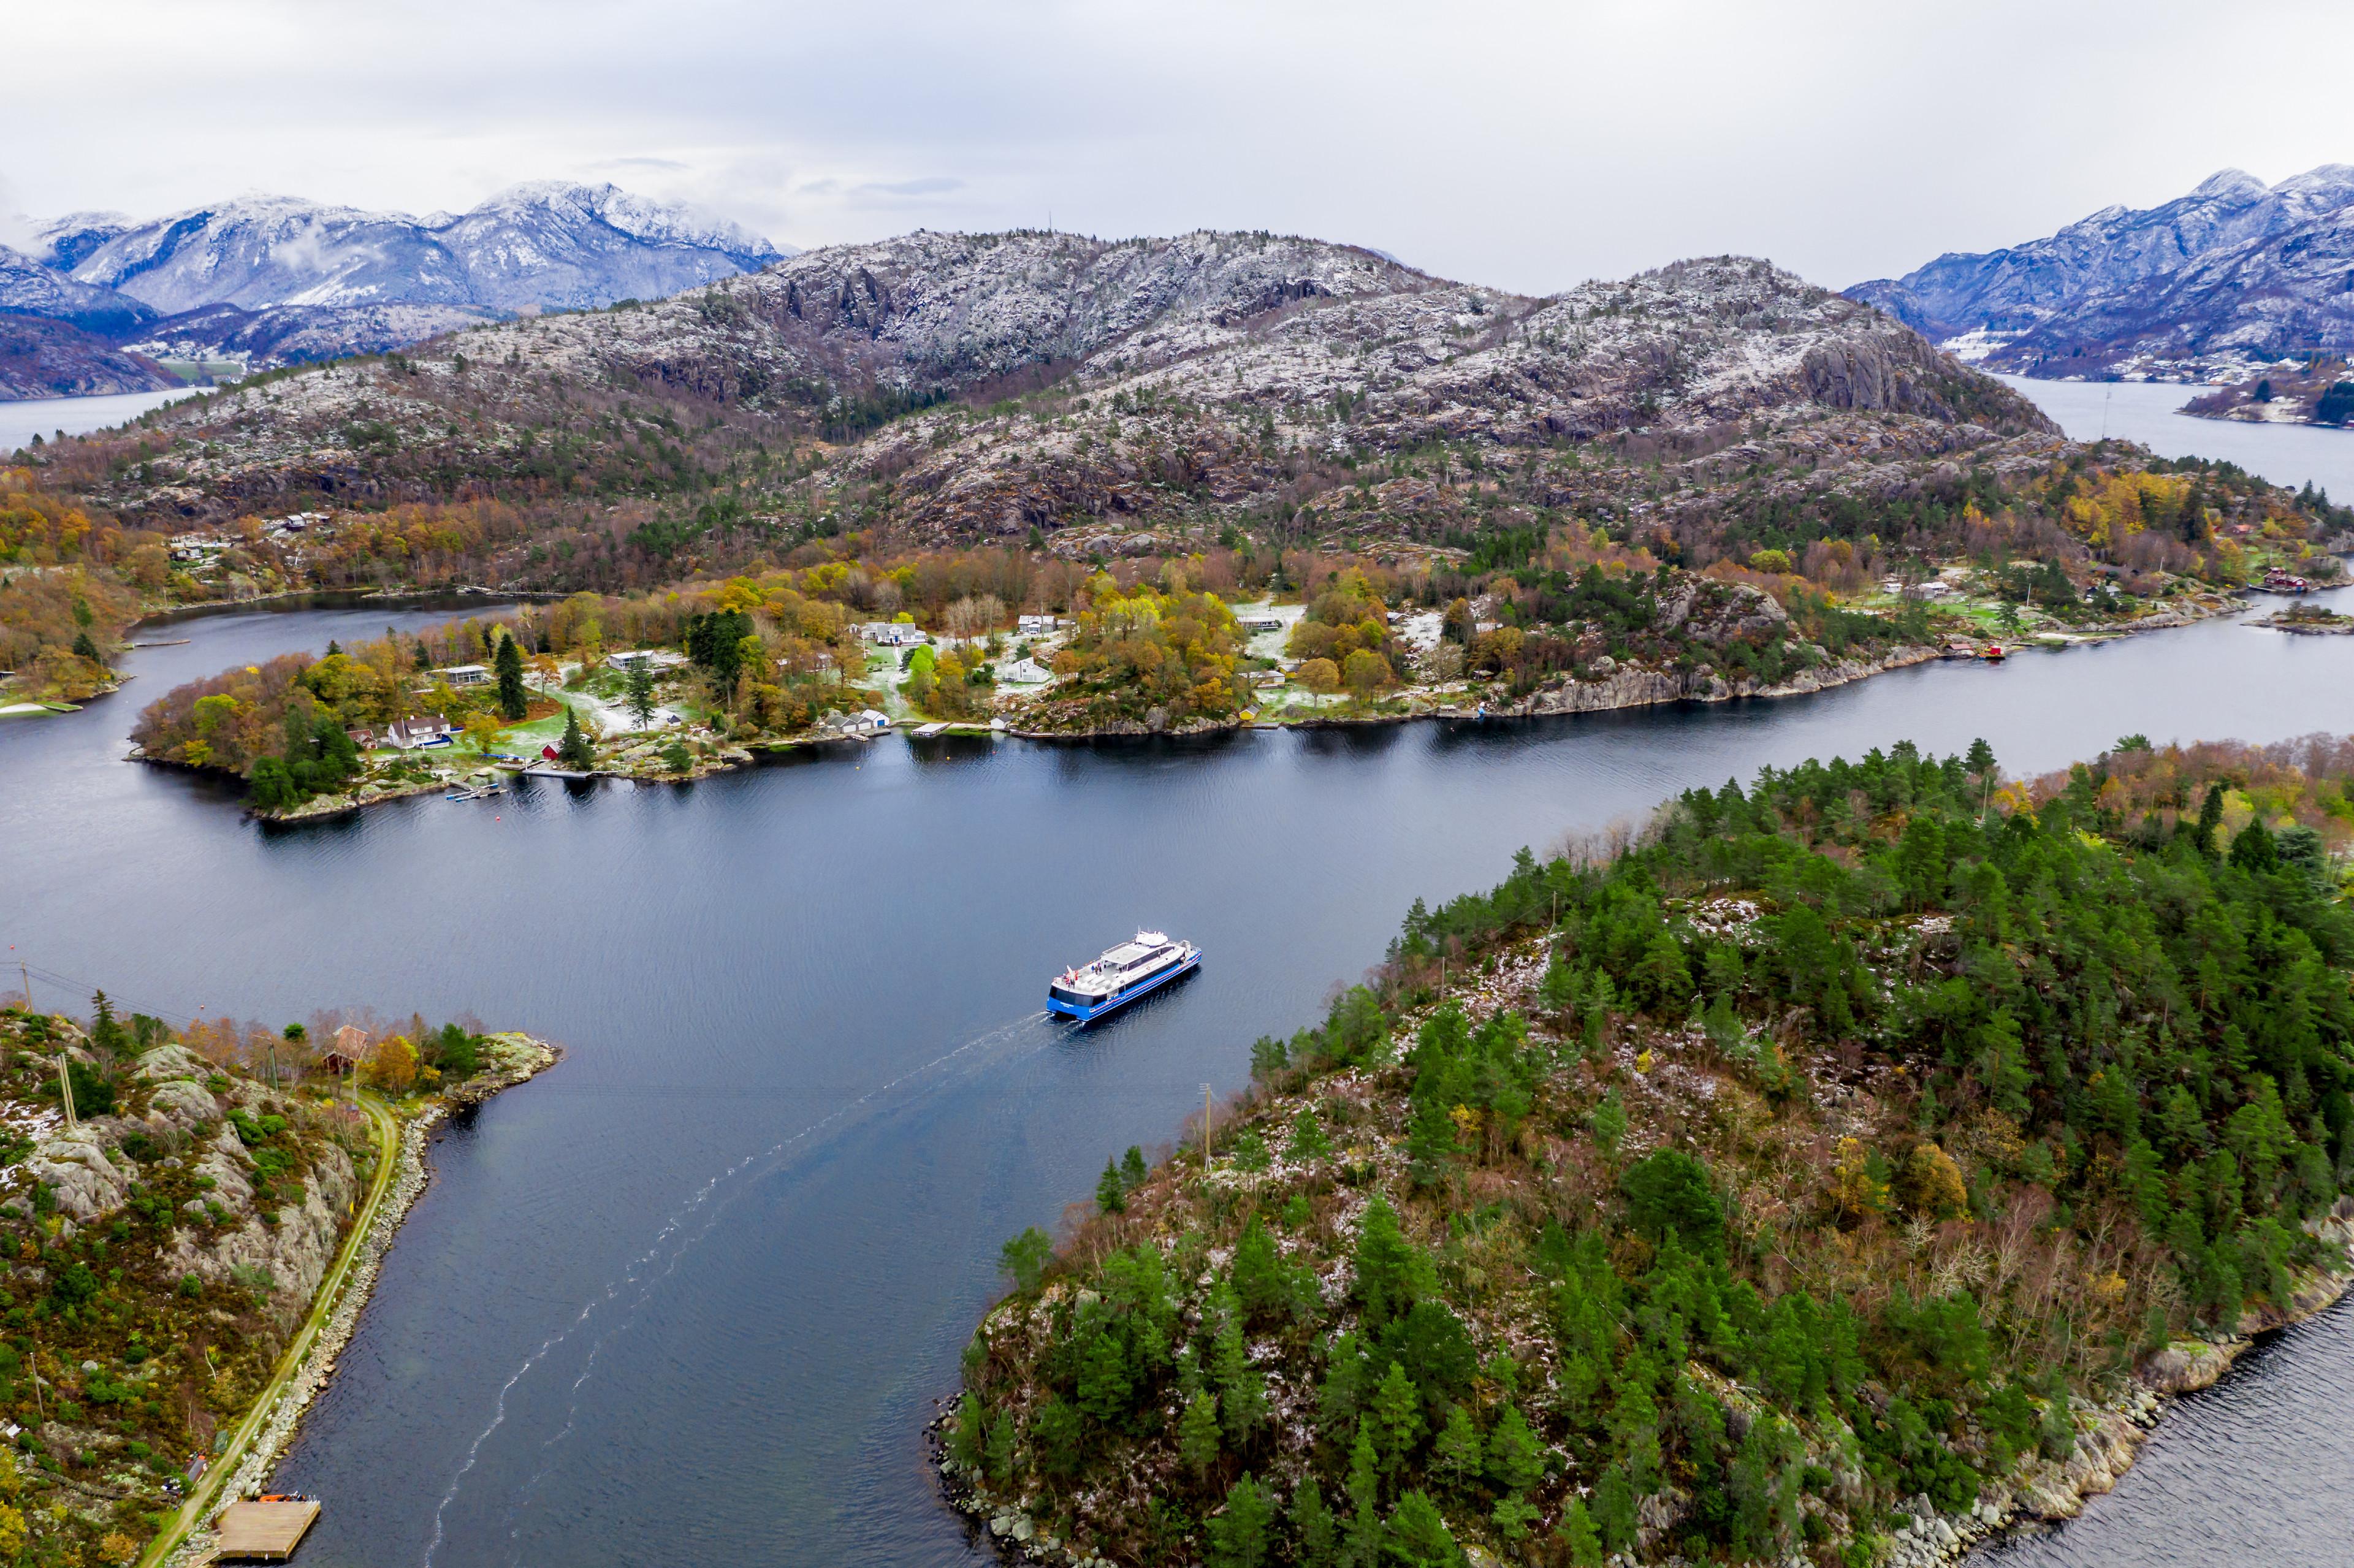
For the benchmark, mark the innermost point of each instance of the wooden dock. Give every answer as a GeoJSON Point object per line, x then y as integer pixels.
{"type": "Point", "coordinates": [263, 1532]}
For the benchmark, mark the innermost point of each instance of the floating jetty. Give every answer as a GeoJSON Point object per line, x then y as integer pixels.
{"type": "Point", "coordinates": [264, 1532]}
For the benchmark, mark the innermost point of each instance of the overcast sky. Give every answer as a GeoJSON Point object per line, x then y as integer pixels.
{"type": "Point", "coordinates": [1525, 145]}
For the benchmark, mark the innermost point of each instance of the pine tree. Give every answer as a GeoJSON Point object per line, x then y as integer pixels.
{"type": "Point", "coordinates": [575, 750]}
{"type": "Point", "coordinates": [1241, 1387]}
{"type": "Point", "coordinates": [1613, 1510]}
{"type": "Point", "coordinates": [1397, 1417]}
{"type": "Point", "coordinates": [1238, 1536]}
{"type": "Point", "coordinates": [640, 696]}
{"type": "Point", "coordinates": [514, 701]}
{"type": "Point", "coordinates": [1515, 1457]}
{"type": "Point", "coordinates": [1197, 1434]}
{"type": "Point", "coordinates": [1579, 1542]}
{"type": "Point", "coordinates": [1311, 1525]}
{"type": "Point", "coordinates": [2211, 817]}
{"type": "Point", "coordinates": [1363, 1545]}
{"type": "Point", "coordinates": [1309, 1141]}
{"type": "Point", "coordinates": [967, 1439]}
{"type": "Point", "coordinates": [1132, 1171]}
{"type": "Point", "coordinates": [1111, 1193]}
{"type": "Point", "coordinates": [85, 648]}
{"type": "Point", "coordinates": [1382, 1268]}
{"type": "Point", "coordinates": [1455, 1453]}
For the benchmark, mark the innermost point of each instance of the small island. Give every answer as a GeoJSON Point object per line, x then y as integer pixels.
{"type": "Point", "coordinates": [193, 1217]}
{"type": "Point", "coordinates": [1834, 1170]}
{"type": "Point", "coordinates": [2308, 620]}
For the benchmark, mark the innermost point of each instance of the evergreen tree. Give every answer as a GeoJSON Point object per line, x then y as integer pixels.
{"type": "Point", "coordinates": [1197, 1434]}
{"type": "Point", "coordinates": [998, 1450]}
{"type": "Point", "coordinates": [1309, 1141]}
{"type": "Point", "coordinates": [1241, 1387]}
{"type": "Point", "coordinates": [1613, 1510]}
{"type": "Point", "coordinates": [514, 701]}
{"type": "Point", "coordinates": [1418, 1535]}
{"type": "Point", "coordinates": [1238, 1535]}
{"type": "Point", "coordinates": [1132, 1171]}
{"type": "Point", "coordinates": [1104, 1388]}
{"type": "Point", "coordinates": [1454, 1452]}
{"type": "Point", "coordinates": [1580, 1542]}
{"type": "Point", "coordinates": [1363, 1544]}
{"type": "Point", "coordinates": [1397, 1412]}
{"type": "Point", "coordinates": [575, 750]}
{"type": "Point", "coordinates": [85, 648]}
{"type": "Point", "coordinates": [1515, 1456]}
{"type": "Point", "coordinates": [2211, 817]}
{"type": "Point", "coordinates": [968, 1438]}
{"type": "Point", "coordinates": [640, 692]}
{"type": "Point", "coordinates": [1311, 1525]}
{"type": "Point", "coordinates": [1111, 1193]}
{"type": "Point", "coordinates": [1383, 1268]}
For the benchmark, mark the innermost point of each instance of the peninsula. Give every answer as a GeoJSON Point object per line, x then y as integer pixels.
{"type": "Point", "coordinates": [195, 1216]}
{"type": "Point", "coordinates": [1840, 1168]}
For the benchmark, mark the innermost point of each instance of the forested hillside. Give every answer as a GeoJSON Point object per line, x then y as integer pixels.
{"type": "Point", "coordinates": [1829, 1157]}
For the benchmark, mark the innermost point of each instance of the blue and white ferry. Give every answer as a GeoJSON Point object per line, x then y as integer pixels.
{"type": "Point", "coordinates": [1124, 973]}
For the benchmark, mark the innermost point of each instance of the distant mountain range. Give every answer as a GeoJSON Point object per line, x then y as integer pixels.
{"type": "Point", "coordinates": [2234, 275]}
{"type": "Point", "coordinates": [265, 280]}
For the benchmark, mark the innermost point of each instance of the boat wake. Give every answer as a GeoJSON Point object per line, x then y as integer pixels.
{"type": "Point", "coordinates": [615, 1308]}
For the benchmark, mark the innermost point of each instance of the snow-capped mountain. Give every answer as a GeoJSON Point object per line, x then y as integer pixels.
{"type": "Point", "coordinates": [549, 245]}
{"type": "Point", "coordinates": [2128, 284]}
{"type": "Point", "coordinates": [28, 287]}
{"type": "Point", "coordinates": [266, 281]}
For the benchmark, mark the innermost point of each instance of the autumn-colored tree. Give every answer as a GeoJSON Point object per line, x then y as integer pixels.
{"type": "Point", "coordinates": [1930, 1184]}
{"type": "Point", "coordinates": [1320, 676]}
{"type": "Point", "coordinates": [392, 1066]}
{"type": "Point", "coordinates": [1366, 672]}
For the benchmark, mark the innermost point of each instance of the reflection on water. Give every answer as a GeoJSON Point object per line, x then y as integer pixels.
{"type": "Point", "coordinates": [728, 1252]}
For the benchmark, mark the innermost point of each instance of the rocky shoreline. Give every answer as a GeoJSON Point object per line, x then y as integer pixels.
{"type": "Point", "coordinates": [520, 1058]}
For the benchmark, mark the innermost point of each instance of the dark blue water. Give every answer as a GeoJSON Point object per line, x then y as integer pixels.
{"type": "Point", "coordinates": [689, 1297]}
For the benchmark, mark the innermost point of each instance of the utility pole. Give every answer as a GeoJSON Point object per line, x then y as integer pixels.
{"type": "Point", "coordinates": [1206, 1127]}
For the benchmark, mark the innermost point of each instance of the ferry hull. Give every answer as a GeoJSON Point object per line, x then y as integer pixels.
{"type": "Point", "coordinates": [1088, 1012]}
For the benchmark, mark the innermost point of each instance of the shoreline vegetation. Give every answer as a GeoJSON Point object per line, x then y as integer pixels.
{"type": "Point", "coordinates": [1836, 1170]}
{"type": "Point", "coordinates": [691, 683]}
{"type": "Point", "coordinates": [193, 1248]}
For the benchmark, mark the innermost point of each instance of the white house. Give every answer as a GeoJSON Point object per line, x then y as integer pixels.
{"type": "Point", "coordinates": [655, 659]}
{"type": "Point", "coordinates": [1259, 621]}
{"type": "Point", "coordinates": [410, 734]}
{"type": "Point", "coordinates": [1036, 625]}
{"type": "Point", "coordinates": [466, 674]}
{"type": "Point", "coordinates": [892, 633]}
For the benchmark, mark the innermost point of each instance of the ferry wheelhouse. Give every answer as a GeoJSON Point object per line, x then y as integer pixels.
{"type": "Point", "coordinates": [1146, 963]}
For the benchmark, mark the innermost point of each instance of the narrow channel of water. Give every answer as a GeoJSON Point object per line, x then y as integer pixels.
{"type": "Point", "coordinates": [689, 1297]}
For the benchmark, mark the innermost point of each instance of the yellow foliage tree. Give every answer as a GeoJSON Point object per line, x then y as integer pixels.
{"type": "Point", "coordinates": [1931, 1184]}
{"type": "Point", "coordinates": [393, 1067]}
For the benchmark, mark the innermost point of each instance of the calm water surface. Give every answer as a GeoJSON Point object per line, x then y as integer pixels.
{"type": "Point", "coordinates": [2145, 411]}
{"type": "Point", "coordinates": [23, 418]}
{"type": "Point", "coordinates": [688, 1299]}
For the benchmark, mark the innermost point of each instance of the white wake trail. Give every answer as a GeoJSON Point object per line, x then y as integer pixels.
{"type": "Point", "coordinates": [634, 1282]}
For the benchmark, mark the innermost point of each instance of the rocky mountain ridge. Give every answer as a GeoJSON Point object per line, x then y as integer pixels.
{"type": "Point", "coordinates": [2235, 273]}
{"type": "Point", "coordinates": [960, 387]}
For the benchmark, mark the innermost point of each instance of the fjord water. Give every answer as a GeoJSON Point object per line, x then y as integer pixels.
{"type": "Point", "coordinates": [2150, 412]}
{"type": "Point", "coordinates": [688, 1297]}
{"type": "Point", "coordinates": [23, 418]}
